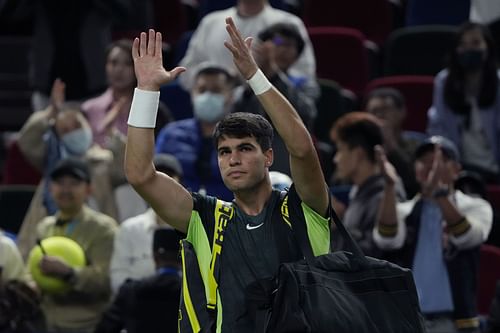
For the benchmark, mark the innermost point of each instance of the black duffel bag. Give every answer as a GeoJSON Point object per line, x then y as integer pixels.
{"type": "Point", "coordinates": [341, 292]}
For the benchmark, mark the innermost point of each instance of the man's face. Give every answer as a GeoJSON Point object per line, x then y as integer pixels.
{"type": "Point", "coordinates": [242, 163]}
{"type": "Point", "coordinates": [346, 160]}
{"type": "Point", "coordinates": [447, 173]}
{"type": "Point", "coordinates": [386, 110]}
{"type": "Point", "coordinates": [69, 193]}
{"type": "Point", "coordinates": [286, 52]}
{"type": "Point", "coordinates": [214, 83]}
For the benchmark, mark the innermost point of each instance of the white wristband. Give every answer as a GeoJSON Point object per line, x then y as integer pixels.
{"type": "Point", "coordinates": [259, 83]}
{"type": "Point", "coordinates": [144, 108]}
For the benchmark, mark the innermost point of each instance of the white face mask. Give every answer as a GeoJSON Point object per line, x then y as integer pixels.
{"type": "Point", "coordinates": [209, 107]}
{"type": "Point", "coordinates": [77, 142]}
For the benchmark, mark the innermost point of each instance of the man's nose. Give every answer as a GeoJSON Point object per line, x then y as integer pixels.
{"type": "Point", "coordinates": [234, 160]}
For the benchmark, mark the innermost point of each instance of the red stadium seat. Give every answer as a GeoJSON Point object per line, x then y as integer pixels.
{"type": "Point", "coordinates": [489, 274]}
{"type": "Point", "coordinates": [493, 196]}
{"type": "Point", "coordinates": [341, 56]}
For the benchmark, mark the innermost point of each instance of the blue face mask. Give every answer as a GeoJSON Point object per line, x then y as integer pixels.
{"type": "Point", "coordinates": [209, 107]}
{"type": "Point", "coordinates": [77, 142]}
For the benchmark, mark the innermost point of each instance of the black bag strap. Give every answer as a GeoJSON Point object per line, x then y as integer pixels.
{"type": "Point", "coordinates": [300, 231]}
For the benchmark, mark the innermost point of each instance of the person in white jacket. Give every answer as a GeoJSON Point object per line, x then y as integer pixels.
{"type": "Point", "coordinates": [251, 17]}
{"type": "Point", "coordinates": [437, 234]}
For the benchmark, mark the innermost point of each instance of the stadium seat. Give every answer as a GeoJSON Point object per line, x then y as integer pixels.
{"type": "Point", "coordinates": [341, 56]}
{"type": "Point", "coordinates": [417, 50]}
{"type": "Point", "coordinates": [14, 203]}
{"type": "Point", "coordinates": [489, 274]}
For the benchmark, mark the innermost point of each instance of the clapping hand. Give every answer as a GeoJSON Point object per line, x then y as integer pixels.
{"type": "Point", "coordinates": [57, 96]}
{"type": "Point", "coordinates": [433, 181]}
{"type": "Point", "coordinates": [265, 56]}
{"type": "Point", "coordinates": [386, 168]}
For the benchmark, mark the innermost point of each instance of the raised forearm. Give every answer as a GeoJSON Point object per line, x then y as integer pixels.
{"type": "Point", "coordinates": [140, 136]}
{"type": "Point", "coordinates": [139, 155]}
{"type": "Point", "coordinates": [287, 123]}
{"type": "Point", "coordinates": [456, 222]}
{"type": "Point", "coordinates": [387, 221]}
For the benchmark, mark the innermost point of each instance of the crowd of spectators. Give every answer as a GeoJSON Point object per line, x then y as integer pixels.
{"type": "Point", "coordinates": [421, 199]}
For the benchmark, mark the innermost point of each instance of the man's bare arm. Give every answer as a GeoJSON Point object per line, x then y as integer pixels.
{"type": "Point", "coordinates": [167, 197]}
{"type": "Point", "coordinates": [304, 163]}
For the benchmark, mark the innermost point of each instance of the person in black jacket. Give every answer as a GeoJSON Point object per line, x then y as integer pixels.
{"type": "Point", "coordinates": [150, 304]}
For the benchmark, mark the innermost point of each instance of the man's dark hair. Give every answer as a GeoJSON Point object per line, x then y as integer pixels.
{"type": "Point", "coordinates": [214, 70]}
{"type": "Point", "coordinates": [286, 30]}
{"type": "Point", "coordinates": [386, 92]}
{"type": "Point", "coordinates": [244, 124]}
{"type": "Point", "coordinates": [359, 129]}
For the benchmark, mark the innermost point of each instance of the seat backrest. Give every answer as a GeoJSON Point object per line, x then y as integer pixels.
{"type": "Point", "coordinates": [14, 203]}
{"type": "Point", "coordinates": [452, 12]}
{"type": "Point", "coordinates": [417, 91]}
{"type": "Point", "coordinates": [493, 196]}
{"type": "Point", "coordinates": [17, 170]}
{"type": "Point", "coordinates": [489, 274]}
{"type": "Point", "coordinates": [341, 56]}
{"type": "Point", "coordinates": [420, 50]}
{"type": "Point", "coordinates": [15, 90]}
{"type": "Point", "coordinates": [181, 47]}
{"type": "Point", "coordinates": [170, 19]}
{"type": "Point", "coordinates": [332, 103]}
{"type": "Point", "coordinates": [373, 18]}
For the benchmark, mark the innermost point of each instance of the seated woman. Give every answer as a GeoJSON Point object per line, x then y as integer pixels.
{"type": "Point", "coordinates": [108, 113]}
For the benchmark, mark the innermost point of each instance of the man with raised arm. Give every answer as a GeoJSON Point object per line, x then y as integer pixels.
{"type": "Point", "coordinates": [243, 142]}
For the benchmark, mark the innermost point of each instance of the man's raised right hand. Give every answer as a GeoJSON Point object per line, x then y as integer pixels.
{"type": "Point", "coordinates": [148, 62]}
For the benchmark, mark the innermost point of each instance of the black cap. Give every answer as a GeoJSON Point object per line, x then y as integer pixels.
{"type": "Point", "coordinates": [168, 164]}
{"type": "Point", "coordinates": [165, 240]}
{"type": "Point", "coordinates": [72, 166]}
{"type": "Point", "coordinates": [447, 146]}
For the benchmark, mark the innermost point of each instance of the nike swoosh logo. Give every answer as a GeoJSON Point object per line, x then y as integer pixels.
{"type": "Point", "coordinates": [251, 227]}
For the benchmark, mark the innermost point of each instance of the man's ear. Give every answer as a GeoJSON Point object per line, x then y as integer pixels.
{"type": "Point", "coordinates": [269, 157]}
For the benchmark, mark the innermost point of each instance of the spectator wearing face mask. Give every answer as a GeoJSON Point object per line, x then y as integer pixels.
{"type": "Point", "coordinates": [59, 132]}
{"type": "Point", "coordinates": [190, 140]}
{"type": "Point", "coordinates": [466, 102]}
